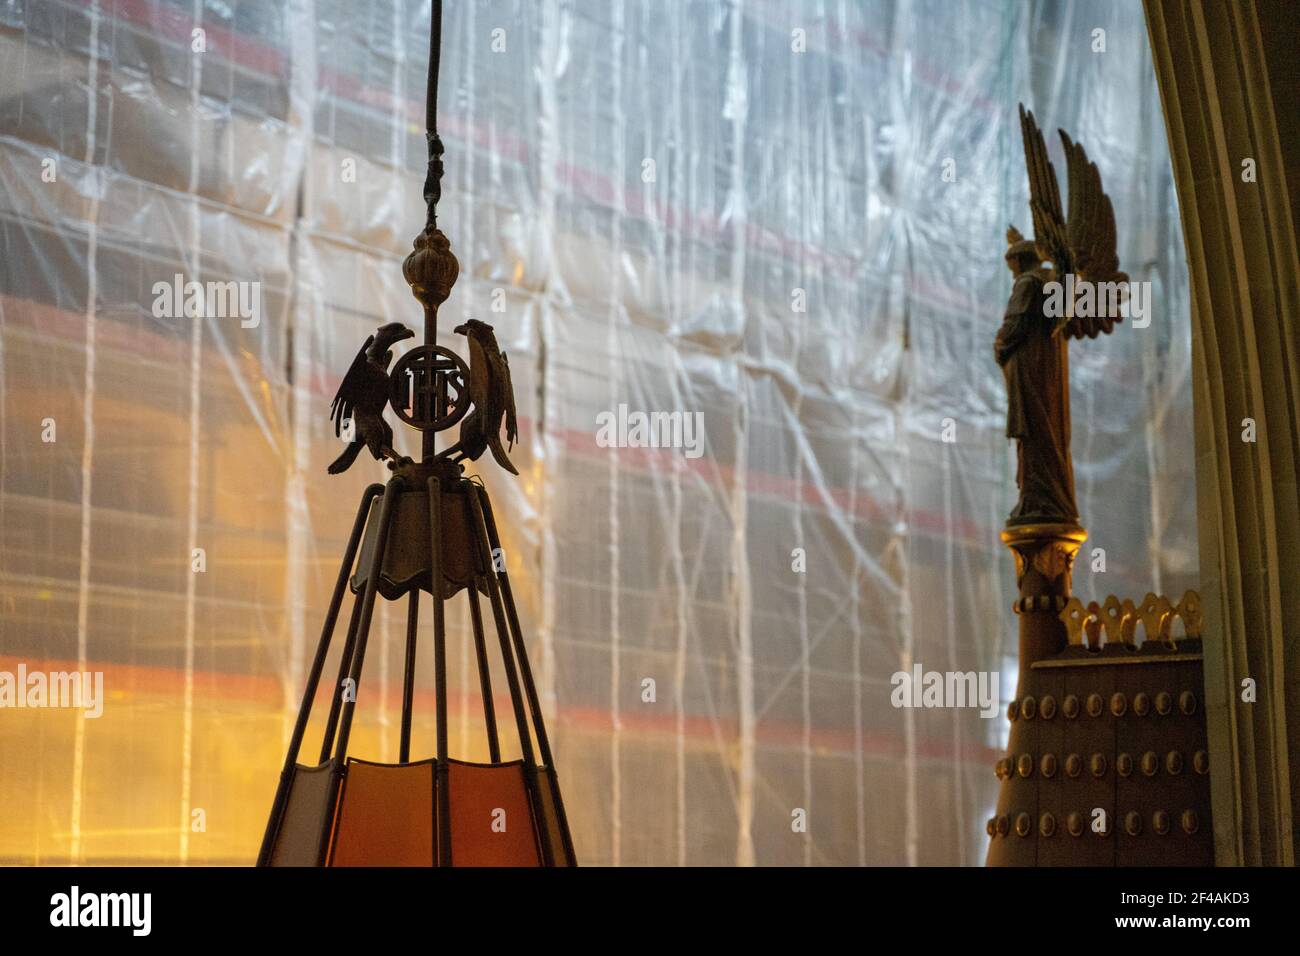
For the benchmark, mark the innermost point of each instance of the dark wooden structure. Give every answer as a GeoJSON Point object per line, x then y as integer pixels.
{"type": "Point", "coordinates": [1107, 761]}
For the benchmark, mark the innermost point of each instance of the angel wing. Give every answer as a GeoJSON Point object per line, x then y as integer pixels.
{"type": "Point", "coordinates": [507, 394]}
{"type": "Point", "coordinates": [345, 399]}
{"type": "Point", "coordinates": [1091, 236]}
{"type": "Point", "coordinates": [1085, 244]}
{"type": "Point", "coordinates": [1044, 196]}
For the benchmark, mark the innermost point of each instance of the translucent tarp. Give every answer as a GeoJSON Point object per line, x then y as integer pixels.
{"type": "Point", "coordinates": [738, 209]}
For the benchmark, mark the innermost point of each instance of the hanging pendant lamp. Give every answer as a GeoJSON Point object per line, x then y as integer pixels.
{"type": "Point", "coordinates": [428, 531]}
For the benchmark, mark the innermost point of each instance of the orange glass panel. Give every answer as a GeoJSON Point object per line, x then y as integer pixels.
{"type": "Point", "coordinates": [385, 815]}
{"type": "Point", "coordinates": [491, 821]}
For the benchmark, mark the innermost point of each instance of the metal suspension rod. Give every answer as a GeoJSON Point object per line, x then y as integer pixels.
{"type": "Point", "coordinates": [433, 176]}
{"type": "Point", "coordinates": [387, 503]}
{"type": "Point", "coordinates": [516, 632]}
{"type": "Point", "coordinates": [439, 669]}
{"type": "Point", "coordinates": [503, 633]}
{"type": "Point", "coordinates": [526, 670]}
{"type": "Point", "coordinates": [391, 491]}
{"type": "Point", "coordinates": [345, 665]}
{"type": "Point", "coordinates": [313, 675]}
{"type": "Point", "coordinates": [483, 549]}
{"type": "Point", "coordinates": [484, 673]}
{"type": "Point", "coordinates": [408, 682]}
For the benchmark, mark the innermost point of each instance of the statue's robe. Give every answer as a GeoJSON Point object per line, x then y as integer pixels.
{"type": "Point", "coordinates": [1035, 364]}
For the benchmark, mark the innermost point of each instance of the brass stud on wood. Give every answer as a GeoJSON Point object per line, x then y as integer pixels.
{"type": "Point", "coordinates": [1201, 762]}
{"type": "Point", "coordinates": [1047, 765]}
{"type": "Point", "coordinates": [1164, 703]}
{"type": "Point", "coordinates": [1141, 703]}
{"type": "Point", "coordinates": [1160, 822]}
{"type": "Point", "coordinates": [1070, 707]}
{"type": "Point", "coordinates": [1118, 704]}
{"type": "Point", "coordinates": [1187, 702]}
{"type": "Point", "coordinates": [1094, 705]}
{"type": "Point", "coordinates": [1047, 707]}
{"type": "Point", "coordinates": [1098, 765]}
{"type": "Point", "coordinates": [1190, 821]}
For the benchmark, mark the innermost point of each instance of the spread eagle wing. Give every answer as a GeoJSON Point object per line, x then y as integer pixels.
{"type": "Point", "coordinates": [1085, 244]}
{"type": "Point", "coordinates": [507, 395]}
{"type": "Point", "coordinates": [350, 389]}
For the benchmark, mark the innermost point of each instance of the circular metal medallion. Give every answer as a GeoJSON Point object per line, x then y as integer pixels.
{"type": "Point", "coordinates": [428, 389]}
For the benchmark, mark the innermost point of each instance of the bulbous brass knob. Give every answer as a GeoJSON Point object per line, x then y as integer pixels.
{"type": "Point", "coordinates": [1047, 825]}
{"type": "Point", "coordinates": [1094, 705]}
{"type": "Point", "coordinates": [1023, 825]}
{"type": "Point", "coordinates": [1141, 703]}
{"type": "Point", "coordinates": [1191, 822]}
{"type": "Point", "coordinates": [1150, 763]}
{"type": "Point", "coordinates": [1047, 765]}
{"type": "Point", "coordinates": [1160, 822]}
{"type": "Point", "coordinates": [1074, 824]}
{"type": "Point", "coordinates": [1124, 765]}
{"type": "Point", "coordinates": [431, 268]}
{"type": "Point", "coordinates": [1025, 765]}
{"type": "Point", "coordinates": [1098, 765]}
{"type": "Point", "coordinates": [1187, 702]}
{"type": "Point", "coordinates": [1073, 765]}
{"type": "Point", "coordinates": [1201, 762]}
{"type": "Point", "coordinates": [1133, 823]}
{"type": "Point", "coordinates": [1028, 707]}
{"type": "Point", "coordinates": [1164, 703]}
{"type": "Point", "coordinates": [1173, 763]}
{"type": "Point", "coordinates": [1118, 704]}
{"type": "Point", "coordinates": [1047, 707]}
{"type": "Point", "coordinates": [1070, 707]}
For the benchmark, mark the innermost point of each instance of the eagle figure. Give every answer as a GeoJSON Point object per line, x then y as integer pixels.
{"type": "Point", "coordinates": [493, 397]}
{"type": "Point", "coordinates": [361, 398]}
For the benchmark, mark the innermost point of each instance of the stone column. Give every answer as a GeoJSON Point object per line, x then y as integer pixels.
{"type": "Point", "coordinates": [1231, 95]}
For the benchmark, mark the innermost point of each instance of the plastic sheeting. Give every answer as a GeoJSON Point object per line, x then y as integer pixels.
{"type": "Point", "coordinates": [738, 209]}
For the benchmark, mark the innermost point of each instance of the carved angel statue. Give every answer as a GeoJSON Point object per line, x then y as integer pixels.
{"type": "Point", "coordinates": [1031, 345]}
